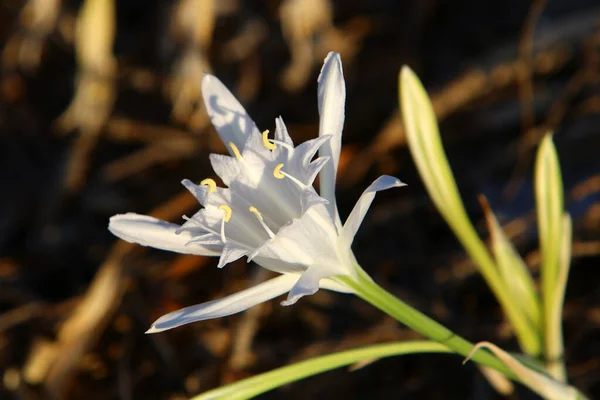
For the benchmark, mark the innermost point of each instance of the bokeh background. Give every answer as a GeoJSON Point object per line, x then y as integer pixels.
{"type": "Point", "coordinates": [100, 113]}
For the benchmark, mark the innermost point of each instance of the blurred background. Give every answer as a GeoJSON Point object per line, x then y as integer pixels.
{"type": "Point", "coordinates": [101, 113]}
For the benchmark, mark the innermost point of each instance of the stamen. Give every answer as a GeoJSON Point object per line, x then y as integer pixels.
{"type": "Point", "coordinates": [279, 174]}
{"type": "Point", "coordinates": [227, 210]}
{"type": "Point", "coordinates": [266, 142]}
{"type": "Point", "coordinates": [225, 219]}
{"type": "Point", "coordinates": [255, 211]}
{"type": "Point", "coordinates": [212, 185]}
{"type": "Point", "coordinates": [235, 150]}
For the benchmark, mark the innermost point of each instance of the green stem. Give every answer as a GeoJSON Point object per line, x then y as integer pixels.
{"type": "Point", "coordinates": [368, 290]}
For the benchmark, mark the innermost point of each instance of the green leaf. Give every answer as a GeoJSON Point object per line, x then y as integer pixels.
{"type": "Point", "coordinates": [250, 387]}
{"type": "Point", "coordinates": [556, 366]}
{"type": "Point", "coordinates": [549, 204]}
{"type": "Point", "coordinates": [422, 132]}
{"type": "Point", "coordinates": [513, 270]}
{"type": "Point", "coordinates": [425, 145]}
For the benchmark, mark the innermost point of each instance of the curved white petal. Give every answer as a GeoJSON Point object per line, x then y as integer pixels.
{"type": "Point", "coordinates": [149, 231]}
{"type": "Point", "coordinates": [226, 113]}
{"type": "Point", "coordinates": [309, 283]}
{"type": "Point", "coordinates": [332, 96]}
{"type": "Point", "coordinates": [304, 242]}
{"type": "Point", "coordinates": [362, 206]}
{"type": "Point", "coordinates": [228, 305]}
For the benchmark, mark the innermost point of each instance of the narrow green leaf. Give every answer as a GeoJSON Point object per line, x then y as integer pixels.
{"type": "Point", "coordinates": [423, 136]}
{"type": "Point", "coordinates": [549, 204]}
{"type": "Point", "coordinates": [513, 270]}
{"type": "Point", "coordinates": [250, 387]}
{"type": "Point", "coordinates": [555, 364]}
{"type": "Point", "coordinates": [425, 144]}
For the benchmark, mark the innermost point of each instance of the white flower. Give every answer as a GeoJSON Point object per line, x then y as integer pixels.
{"type": "Point", "coordinates": [269, 211]}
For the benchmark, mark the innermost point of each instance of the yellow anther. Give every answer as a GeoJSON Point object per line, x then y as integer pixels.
{"type": "Point", "coordinates": [227, 210]}
{"type": "Point", "coordinates": [212, 185]}
{"type": "Point", "coordinates": [277, 172]}
{"type": "Point", "coordinates": [266, 143]}
{"type": "Point", "coordinates": [255, 211]}
{"type": "Point", "coordinates": [235, 150]}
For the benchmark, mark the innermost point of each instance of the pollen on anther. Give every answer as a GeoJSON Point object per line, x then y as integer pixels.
{"type": "Point", "coordinates": [212, 185]}
{"type": "Point", "coordinates": [266, 142]}
{"type": "Point", "coordinates": [227, 210]}
{"type": "Point", "coordinates": [255, 211]}
{"type": "Point", "coordinates": [235, 150]}
{"type": "Point", "coordinates": [277, 172]}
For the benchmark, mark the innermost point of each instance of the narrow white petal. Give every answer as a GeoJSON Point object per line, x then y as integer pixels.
{"type": "Point", "coordinates": [149, 231]}
{"type": "Point", "coordinates": [362, 206]}
{"type": "Point", "coordinates": [228, 305]}
{"type": "Point", "coordinates": [307, 285]}
{"type": "Point", "coordinates": [332, 96]}
{"type": "Point", "coordinates": [226, 113]}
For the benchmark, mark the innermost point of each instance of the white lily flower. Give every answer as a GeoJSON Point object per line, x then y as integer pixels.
{"type": "Point", "coordinates": [269, 211]}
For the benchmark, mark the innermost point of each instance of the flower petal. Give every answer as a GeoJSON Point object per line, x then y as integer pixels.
{"type": "Point", "coordinates": [199, 191]}
{"type": "Point", "coordinates": [362, 206]}
{"type": "Point", "coordinates": [226, 113]}
{"type": "Point", "coordinates": [149, 231]}
{"type": "Point", "coordinates": [231, 253]}
{"type": "Point", "coordinates": [331, 284]}
{"type": "Point", "coordinates": [305, 152]}
{"type": "Point", "coordinates": [309, 199]}
{"type": "Point", "coordinates": [228, 305]}
{"type": "Point", "coordinates": [281, 132]}
{"type": "Point", "coordinates": [227, 168]}
{"type": "Point", "coordinates": [332, 96]}
{"type": "Point", "coordinates": [302, 243]}
{"type": "Point", "coordinates": [313, 169]}
{"type": "Point", "coordinates": [307, 285]}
